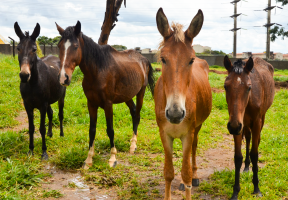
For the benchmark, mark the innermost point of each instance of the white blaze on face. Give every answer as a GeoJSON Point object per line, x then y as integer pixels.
{"type": "Point", "coordinates": [171, 100]}
{"type": "Point", "coordinates": [239, 80]}
{"type": "Point", "coordinates": [62, 74]}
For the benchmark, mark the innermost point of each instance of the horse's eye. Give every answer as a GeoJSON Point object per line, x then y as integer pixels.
{"type": "Point", "coordinates": [18, 48]}
{"type": "Point", "coordinates": [163, 60]}
{"type": "Point", "coordinates": [34, 50]}
{"type": "Point", "coordinates": [249, 88]}
{"type": "Point", "coordinates": [191, 62]}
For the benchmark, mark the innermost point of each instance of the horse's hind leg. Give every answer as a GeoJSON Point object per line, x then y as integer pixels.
{"type": "Point", "coordinates": [110, 132]}
{"type": "Point", "coordinates": [43, 111]}
{"type": "Point", "coordinates": [61, 116]}
{"type": "Point", "coordinates": [136, 119]}
{"type": "Point", "coordinates": [256, 130]}
{"type": "Point", "coordinates": [132, 108]}
{"type": "Point", "coordinates": [247, 133]}
{"type": "Point", "coordinates": [195, 179]}
{"type": "Point", "coordinates": [50, 117]}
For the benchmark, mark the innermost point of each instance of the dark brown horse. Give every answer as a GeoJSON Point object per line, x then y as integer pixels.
{"type": "Point", "coordinates": [249, 94]}
{"type": "Point", "coordinates": [39, 85]}
{"type": "Point", "coordinates": [110, 77]}
{"type": "Point", "coordinates": [183, 98]}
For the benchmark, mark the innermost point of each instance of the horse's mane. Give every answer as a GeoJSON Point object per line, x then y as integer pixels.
{"type": "Point", "coordinates": [238, 66]}
{"type": "Point", "coordinates": [93, 55]}
{"type": "Point", "coordinates": [177, 33]}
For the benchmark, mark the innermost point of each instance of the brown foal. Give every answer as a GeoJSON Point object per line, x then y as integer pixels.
{"type": "Point", "coordinates": [249, 94]}
{"type": "Point", "coordinates": [183, 98]}
{"type": "Point", "coordinates": [110, 77]}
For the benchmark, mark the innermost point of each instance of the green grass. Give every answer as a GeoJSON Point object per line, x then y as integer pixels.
{"type": "Point", "coordinates": [137, 176]}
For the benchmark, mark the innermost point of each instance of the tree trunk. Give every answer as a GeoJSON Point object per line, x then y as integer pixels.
{"type": "Point", "coordinates": [112, 8]}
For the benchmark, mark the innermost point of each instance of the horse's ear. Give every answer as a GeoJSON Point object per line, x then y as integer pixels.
{"type": "Point", "coordinates": [195, 26]}
{"type": "Point", "coordinates": [227, 63]}
{"type": "Point", "coordinates": [18, 31]}
{"type": "Point", "coordinates": [249, 65]}
{"type": "Point", "coordinates": [77, 29]}
{"type": "Point", "coordinates": [36, 32]}
{"type": "Point", "coordinates": [162, 24]}
{"type": "Point", "coordinates": [60, 30]}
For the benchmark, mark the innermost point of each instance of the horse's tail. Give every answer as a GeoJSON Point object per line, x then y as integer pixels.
{"type": "Point", "coordinates": [151, 79]}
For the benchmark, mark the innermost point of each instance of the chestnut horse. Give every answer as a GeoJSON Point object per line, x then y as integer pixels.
{"type": "Point", "coordinates": [183, 98]}
{"type": "Point", "coordinates": [249, 94]}
{"type": "Point", "coordinates": [110, 77]}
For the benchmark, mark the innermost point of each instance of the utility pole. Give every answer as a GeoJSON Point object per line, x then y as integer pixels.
{"type": "Point", "coordinates": [235, 29]}
{"type": "Point", "coordinates": [235, 32]}
{"type": "Point", "coordinates": [268, 30]}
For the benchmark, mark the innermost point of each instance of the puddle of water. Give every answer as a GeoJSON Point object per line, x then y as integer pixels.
{"type": "Point", "coordinates": [101, 197]}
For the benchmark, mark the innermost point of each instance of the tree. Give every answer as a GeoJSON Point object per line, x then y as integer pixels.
{"type": "Point", "coordinates": [277, 31]}
{"type": "Point", "coordinates": [119, 47]}
{"type": "Point", "coordinates": [45, 40]}
{"type": "Point", "coordinates": [111, 14]}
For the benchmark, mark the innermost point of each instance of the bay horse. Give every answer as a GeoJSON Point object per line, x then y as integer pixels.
{"type": "Point", "coordinates": [250, 92]}
{"type": "Point", "coordinates": [183, 98]}
{"type": "Point", "coordinates": [110, 77]}
{"type": "Point", "coordinates": [39, 85]}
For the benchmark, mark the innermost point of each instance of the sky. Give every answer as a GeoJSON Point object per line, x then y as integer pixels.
{"type": "Point", "coordinates": [137, 22]}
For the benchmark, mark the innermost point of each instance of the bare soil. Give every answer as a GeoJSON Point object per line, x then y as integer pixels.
{"type": "Point", "coordinates": [214, 159]}
{"type": "Point", "coordinates": [23, 123]}
{"type": "Point", "coordinates": [281, 85]}
{"type": "Point", "coordinates": [218, 72]}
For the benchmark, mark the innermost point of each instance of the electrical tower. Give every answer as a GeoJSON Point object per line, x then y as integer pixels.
{"type": "Point", "coordinates": [235, 29]}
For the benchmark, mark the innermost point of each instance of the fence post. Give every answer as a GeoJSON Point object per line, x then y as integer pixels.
{"type": "Point", "coordinates": [13, 46]}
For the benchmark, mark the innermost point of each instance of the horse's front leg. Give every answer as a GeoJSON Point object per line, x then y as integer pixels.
{"type": "Point", "coordinates": [30, 115]}
{"type": "Point", "coordinates": [186, 172]}
{"type": "Point", "coordinates": [43, 111]}
{"type": "Point", "coordinates": [167, 142]}
{"type": "Point", "coordinates": [110, 132]}
{"type": "Point", "coordinates": [238, 159]}
{"type": "Point", "coordinates": [256, 130]}
{"type": "Point", "coordinates": [92, 132]}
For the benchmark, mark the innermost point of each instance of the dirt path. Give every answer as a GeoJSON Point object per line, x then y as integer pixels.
{"type": "Point", "coordinates": [212, 160]}
{"type": "Point", "coordinates": [23, 123]}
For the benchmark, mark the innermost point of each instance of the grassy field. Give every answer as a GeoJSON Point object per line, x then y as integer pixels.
{"type": "Point", "coordinates": [138, 176]}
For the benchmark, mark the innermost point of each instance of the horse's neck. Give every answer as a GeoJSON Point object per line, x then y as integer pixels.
{"type": "Point", "coordinates": [34, 71]}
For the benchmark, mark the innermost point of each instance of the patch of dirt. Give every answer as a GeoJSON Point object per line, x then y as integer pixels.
{"type": "Point", "coordinates": [218, 72]}
{"type": "Point", "coordinates": [23, 123]}
{"type": "Point", "coordinates": [217, 90]}
{"type": "Point", "coordinates": [281, 85]}
{"type": "Point", "coordinates": [72, 186]}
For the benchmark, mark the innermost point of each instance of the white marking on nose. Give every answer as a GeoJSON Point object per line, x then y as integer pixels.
{"type": "Point", "coordinates": [62, 74]}
{"type": "Point", "coordinates": [180, 101]}
{"type": "Point", "coordinates": [239, 80]}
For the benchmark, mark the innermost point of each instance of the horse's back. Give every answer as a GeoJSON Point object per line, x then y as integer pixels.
{"type": "Point", "coordinates": [51, 61]}
{"type": "Point", "coordinates": [263, 85]}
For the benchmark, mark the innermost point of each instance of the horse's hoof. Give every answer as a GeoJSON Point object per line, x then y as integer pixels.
{"type": "Point", "coordinates": [30, 153]}
{"type": "Point", "coordinates": [113, 164]}
{"type": "Point", "coordinates": [44, 156]}
{"type": "Point", "coordinates": [85, 166]}
{"type": "Point", "coordinates": [234, 197]}
{"type": "Point", "coordinates": [195, 182]}
{"type": "Point", "coordinates": [246, 169]}
{"type": "Point", "coordinates": [132, 151]}
{"type": "Point", "coordinates": [182, 187]}
{"type": "Point", "coordinates": [258, 194]}
{"type": "Point", "coordinates": [61, 134]}
{"type": "Point", "coordinates": [50, 134]}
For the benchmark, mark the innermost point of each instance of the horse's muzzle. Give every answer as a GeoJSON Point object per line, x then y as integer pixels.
{"type": "Point", "coordinates": [234, 130]}
{"type": "Point", "coordinates": [175, 116]}
{"type": "Point", "coordinates": [25, 77]}
{"type": "Point", "coordinates": [65, 81]}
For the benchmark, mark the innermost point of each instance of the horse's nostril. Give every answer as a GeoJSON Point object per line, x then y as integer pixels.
{"type": "Point", "coordinates": [183, 114]}
{"type": "Point", "coordinates": [67, 79]}
{"type": "Point", "coordinates": [239, 127]}
{"type": "Point", "coordinates": [167, 113]}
